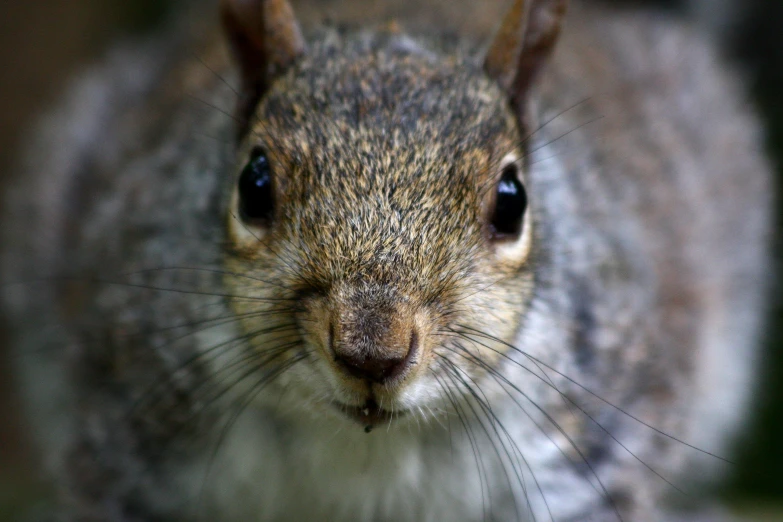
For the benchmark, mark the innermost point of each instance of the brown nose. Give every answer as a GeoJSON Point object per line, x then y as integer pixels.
{"type": "Point", "coordinates": [379, 367]}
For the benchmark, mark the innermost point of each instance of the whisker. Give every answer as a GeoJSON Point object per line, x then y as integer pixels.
{"type": "Point", "coordinates": [497, 376]}
{"type": "Point", "coordinates": [593, 394]}
{"type": "Point", "coordinates": [591, 418]}
{"type": "Point", "coordinates": [483, 481]}
{"type": "Point", "coordinates": [194, 415]}
{"type": "Point", "coordinates": [215, 73]}
{"type": "Point", "coordinates": [555, 140]}
{"type": "Point", "coordinates": [251, 395]}
{"type": "Point", "coordinates": [202, 357]}
{"type": "Point", "coordinates": [487, 410]}
{"type": "Point", "coordinates": [207, 270]}
{"type": "Point", "coordinates": [212, 106]}
{"type": "Point", "coordinates": [553, 118]}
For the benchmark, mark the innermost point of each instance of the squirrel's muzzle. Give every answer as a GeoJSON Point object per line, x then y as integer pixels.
{"type": "Point", "coordinates": [378, 367]}
{"type": "Point", "coordinates": [374, 341]}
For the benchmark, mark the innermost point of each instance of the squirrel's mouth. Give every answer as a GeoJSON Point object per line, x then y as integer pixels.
{"type": "Point", "coordinates": [370, 414]}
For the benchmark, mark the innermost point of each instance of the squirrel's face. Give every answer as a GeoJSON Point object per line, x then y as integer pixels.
{"type": "Point", "coordinates": [380, 230]}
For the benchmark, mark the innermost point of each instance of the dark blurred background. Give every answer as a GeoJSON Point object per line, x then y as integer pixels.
{"type": "Point", "coordinates": [44, 43]}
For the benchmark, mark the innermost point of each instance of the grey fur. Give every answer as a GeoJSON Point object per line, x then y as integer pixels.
{"type": "Point", "coordinates": [645, 287]}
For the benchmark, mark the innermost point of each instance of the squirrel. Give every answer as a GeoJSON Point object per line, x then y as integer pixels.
{"type": "Point", "coordinates": [496, 262]}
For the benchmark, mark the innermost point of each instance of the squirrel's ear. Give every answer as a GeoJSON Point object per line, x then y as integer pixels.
{"type": "Point", "coordinates": [524, 42]}
{"type": "Point", "coordinates": [265, 40]}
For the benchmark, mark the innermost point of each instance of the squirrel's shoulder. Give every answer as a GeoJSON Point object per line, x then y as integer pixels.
{"type": "Point", "coordinates": [661, 95]}
{"type": "Point", "coordinates": [126, 123]}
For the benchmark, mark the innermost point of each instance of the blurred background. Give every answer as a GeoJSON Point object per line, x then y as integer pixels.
{"type": "Point", "coordinates": [44, 43]}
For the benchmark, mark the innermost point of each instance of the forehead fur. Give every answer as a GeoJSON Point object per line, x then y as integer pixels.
{"type": "Point", "coordinates": [383, 151]}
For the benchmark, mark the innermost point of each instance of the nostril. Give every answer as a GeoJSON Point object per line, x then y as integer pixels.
{"type": "Point", "coordinates": [379, 368]}
{"type": "Point", "coordinates": [372, 368]}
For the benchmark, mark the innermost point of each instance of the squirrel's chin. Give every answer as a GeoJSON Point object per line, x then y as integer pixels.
{"type": "Point", "coordinates": [370, 414]}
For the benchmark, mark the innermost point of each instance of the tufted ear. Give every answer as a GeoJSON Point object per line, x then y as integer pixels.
{"type": "Point", "coordinates": [521, 47]}
{"type": "Point", "coordinates": [265, 39]}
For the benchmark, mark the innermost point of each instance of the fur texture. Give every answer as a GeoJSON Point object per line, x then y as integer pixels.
{"type": "Point", "coordinates": [178, 366]}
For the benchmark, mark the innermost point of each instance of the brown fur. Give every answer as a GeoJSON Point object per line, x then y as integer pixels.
{"type": "Point", "coordinates": [632, 295]}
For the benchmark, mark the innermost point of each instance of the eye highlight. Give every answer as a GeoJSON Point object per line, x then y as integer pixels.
{"type": "Point", "coordinates": [256, 197]}
{"type": "Point", "coordinates": [510, 205]}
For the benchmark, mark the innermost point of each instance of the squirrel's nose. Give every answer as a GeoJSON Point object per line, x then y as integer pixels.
{"type": "Point", "coordinates": [379, 365]}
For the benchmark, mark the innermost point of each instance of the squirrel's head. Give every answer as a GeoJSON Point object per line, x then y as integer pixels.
{"type": "Point", "coordinates": [381, 238]}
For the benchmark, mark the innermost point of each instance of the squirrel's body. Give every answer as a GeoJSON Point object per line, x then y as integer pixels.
{"type": "Point", "coordinates": [643, 283]}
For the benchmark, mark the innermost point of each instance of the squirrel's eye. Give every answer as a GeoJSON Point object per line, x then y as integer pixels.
{"type": "Point", "coordinates": [256, 199]}
{"type": "Point", "coordinates": [510, 204]}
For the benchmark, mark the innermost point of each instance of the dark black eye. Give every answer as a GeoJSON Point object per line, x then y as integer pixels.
{"type": "Point", "coordinates": [256, 199]}
{"type": "Point", "coordinates": [510, 204]}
